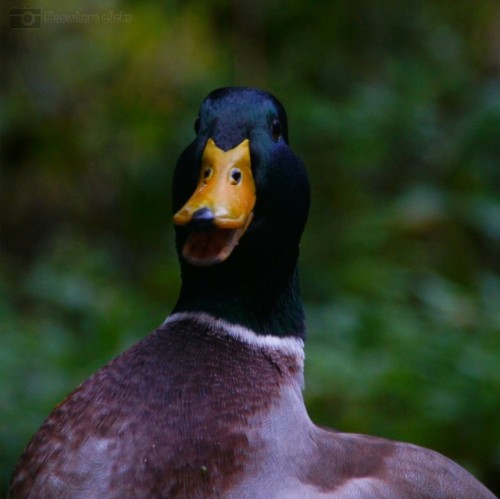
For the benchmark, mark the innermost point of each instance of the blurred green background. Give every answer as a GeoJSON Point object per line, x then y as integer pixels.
{"type": "Point", "coordinates": [394, 107]}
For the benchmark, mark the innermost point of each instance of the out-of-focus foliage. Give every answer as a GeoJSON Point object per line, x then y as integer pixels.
{"type": "Point", "coordinates": [395, 109]}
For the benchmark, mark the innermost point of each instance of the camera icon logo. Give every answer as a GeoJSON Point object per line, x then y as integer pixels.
{"type": "Point", "coordinates": [25, 18]}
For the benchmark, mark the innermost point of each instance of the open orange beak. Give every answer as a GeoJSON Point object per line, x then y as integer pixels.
{"type": "Point", "coordinates": [221, 208]}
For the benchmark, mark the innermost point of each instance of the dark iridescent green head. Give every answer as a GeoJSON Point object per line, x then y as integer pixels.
{"type": "Point", "coordinates": [231, 114]}
{"type": "Point", "coordinates": [238, 248]}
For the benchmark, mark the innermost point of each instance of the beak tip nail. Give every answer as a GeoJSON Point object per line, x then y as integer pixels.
{"type": "Point", "coordinates": [202, 219]}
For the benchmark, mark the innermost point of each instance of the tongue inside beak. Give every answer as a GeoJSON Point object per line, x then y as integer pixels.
{"type": "Point", "coordinates": [208, 247]}
{"type": "Point", "coordinates": [225, 195]}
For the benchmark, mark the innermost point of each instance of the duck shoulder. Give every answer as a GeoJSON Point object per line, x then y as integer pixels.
{"type": "Point", "coordinates": [361, 466]}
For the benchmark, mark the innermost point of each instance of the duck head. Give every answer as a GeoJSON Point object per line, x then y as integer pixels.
{"type": "Point", "coordinates": [239, 173]}
{"type": "Point", "coordinates": [240, 199]}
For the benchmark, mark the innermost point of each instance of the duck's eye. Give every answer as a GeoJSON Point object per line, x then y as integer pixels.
{"type": "Point", "coordinates": [276, 130]}
{"type": "Point", "coordinates": [207, 173]}
{"type": "Point", "coordinates": [197, 125]}
{"type": "Point", "coordinates": [235, 176]}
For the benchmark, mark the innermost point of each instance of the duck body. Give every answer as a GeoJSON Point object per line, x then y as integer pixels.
{"type": "Point", "coordinates": [210, 404]}
{"type": "Point", "coordinates": [205, 409]}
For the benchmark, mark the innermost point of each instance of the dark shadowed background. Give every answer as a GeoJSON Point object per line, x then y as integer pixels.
{"type": "Point", "coordinates": [395, 108]}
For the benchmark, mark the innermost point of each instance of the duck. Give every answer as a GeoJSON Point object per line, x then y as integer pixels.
{"type": "Point", "coordinates": [210, 404]}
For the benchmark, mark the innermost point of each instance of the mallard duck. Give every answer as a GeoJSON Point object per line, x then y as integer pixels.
{"type": "Point", "coordinates": [210, 404]}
